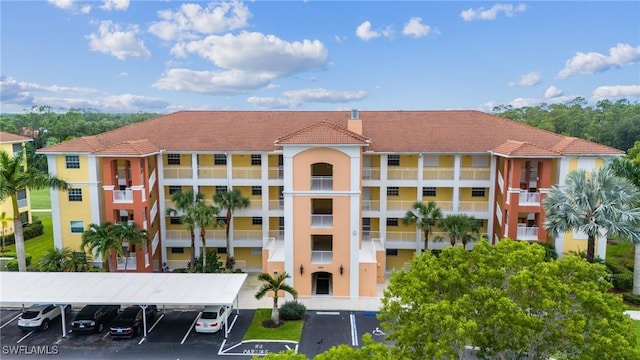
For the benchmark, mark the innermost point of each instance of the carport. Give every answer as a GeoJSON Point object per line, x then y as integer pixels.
{"type": "Point", "coordinates": [143, 289]}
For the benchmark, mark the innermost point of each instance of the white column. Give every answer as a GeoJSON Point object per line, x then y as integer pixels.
{"type": "Point", "coordinates": [492, 200]}
{"type": "Point", "coordinates": [55, 205]}
{"type": "Point", "coordinates": [161, 205]}
{"type": "Point", "coordinates": [288, 215]}
{"type": "Point", "coordinates": [457, 161]}
{"type": "Point", "coordinates": [354, 227]}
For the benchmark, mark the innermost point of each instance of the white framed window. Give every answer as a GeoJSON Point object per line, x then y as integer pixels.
{"type": "Point", "coordinates": [392, 221]}
{"type": "Point", "coordinates": [256, 190]}
{"type": "Point", "coordinates": [256, 159]}
{"type": "Point", "coordinates": [430, 161]}
{"type": "Point", "coordinates": [393, 160]}
{"type": "Point", "coordinates": [173, 159]}
{"type": "Point", "coordinates": [220, 159]}
{"type": "Point", "coordinates": [429, 191]}
{"type": "Point", "coordinates": [221, 189]}
{"type": "Point", "coordinates": [393, 191]}
{"type": "Point", "coordinates": [177, 250]}
{"type": "Point", "coordinates": [72, 161]}
{"type": "Point", "coordinates": [77, 227]}
{"type": "Point", "coordinates": [174, 189]}
{"type": "Point", "coordinates": [256, 220]}
{"type": "Point", "coordinates": [74, 194]}
{"type": "Point", "coordinates": [392, 252]}
{"type": "Point", "coordinates": [477, 192]}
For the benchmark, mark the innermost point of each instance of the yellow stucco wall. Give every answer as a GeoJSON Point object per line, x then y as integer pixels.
{"type": "Point", "coordinates": [397, 262]}
{"type": "Point", "coordinates": [409, 161]}
{"type": "Point", "coordinates": [185, 160]}
{"type": "Point", "coordinates": [274, 192]}
{"type": "Point", "coordinates": [465, 195]}
{"type": "Point", "coordinates": [244, 223]}
{"type": "Point", "coordinates": [446, 161]}
{"type": "Point", "coordinates": [241, 160]}
{"type": "Point", "coordinates": [72, 175]}
{"type": "Point", "coordinates": [74, 211]}
{"type": "Point", "coordinates": [247, 254]}
{"type": "Point", "coordinates": [185, 256]}
{"type": "Point", "coordinates": [302, 168]}
{"type": "Point", "coordinates": [442, 194]}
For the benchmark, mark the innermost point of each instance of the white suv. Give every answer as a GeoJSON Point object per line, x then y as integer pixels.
{"type": "Point", "coordinates": [39, 316]}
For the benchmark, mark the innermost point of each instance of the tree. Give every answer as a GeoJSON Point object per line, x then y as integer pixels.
{"type": "Point", "coordinates": [185, 207]}
{"type": "Point", "coordinates": [370, 350]}
{"type": "Point", "coordinates": [56, 259]}
{"type": "Point", "coordinates": [129, 233]}
{"type": "Point", "coordinates": [205, 215]}
{"type": "Point", "coordinates": [4, 221]}
{"type": "Point", "coordinates": [508, 303]}
{"type": "Point", "coordinates": [275, 283]}
{"type": "Point", "coordinates": [460, 227]}
{"type": "Point", "coordinates": [16, 175]}
{"type": "Point", "coordinates": [231, 200]}
{"type": "Point", "coordinates": [423, 217]}
{"type": "Point", "coordinates": [592, 202]}
{"type": "Point", "coordinates": [100, 239]}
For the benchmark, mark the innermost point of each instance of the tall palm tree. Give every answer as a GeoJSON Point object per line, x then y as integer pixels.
{"type": "Point", "coordinates": [275, 283]}
{"type": "Point", "coordinates": [460, 227]}
{"type": "Point", "coordinates": [423, 217]}
{"type": "Point", "coordinates": [16, 175]}
{"type": "Point", "coordinates": [185, 207]}
{"type": "Point", "coordinates": [4, 221]}
{"type": "Point", "coordinates": [56, 259]}
{"type": "Point", "coordinates": [231, 200]}
{"type": "Point", "coordinates": [593, 201]}
{"type": "Point", "coordinates": [129, 233]}
{"type": "Point", "coordinates": [205, 215]}
{"type": "Point", "coordinates": [630, 170]}
{"type": "Point", "coordinates": [102, 240]}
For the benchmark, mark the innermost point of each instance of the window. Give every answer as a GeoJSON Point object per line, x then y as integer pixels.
{"type": "Point", "coordinates": [256, 220]}
{"type": "Point", "coordinates": [77, 227]}
{"type": "Point", "coordinates": [256, 159]}
{"type": "Point", "coordinates": [173, 159]}
{"type": "Point", "coordinates": [430, 161]}
{"type": "Point", "coordinates": [222, 250]}
{"type": "Point", "coordinates": [220, 159]}
{"type": "Point", "coordinates": [392, 221]}
{"type": "Point", "coordinates": [174, 220]}
{"type": "Point", "coordinates": [256, 190]}
{"type": "Point", "coordinates": [428, 191]}
{"type": "Point", "coordinates": [393, 160]}
{"type": "Point", "coordinates": [174, 189]}
{"type": "Point", "coordinates": [392, 252]}
{"type": "Point", "coordinates": [393, 191]}
{"type": "Point", "coordinates": [477, 192]}
{"type": "Point", "coordinates": [75, 194]}
{"type": "Point", "coordinates": [177, 250]}
{"type": "Point", "coordinates": [73, 161]}
{"type": "Point", "coordinates": [221, 219]}
{"type": "Point", "coordinates": [17, 148]}
{"type": "Point", "coordinates": [280, 160]}
{"type": "Point", "coordinates": [220, 189]}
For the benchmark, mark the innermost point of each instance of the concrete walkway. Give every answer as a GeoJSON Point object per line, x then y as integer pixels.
{"type": "Point", "coordinates": [633, 314]}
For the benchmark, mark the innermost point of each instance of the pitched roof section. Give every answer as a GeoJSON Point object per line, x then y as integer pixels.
{"type": "Point", "coordinates": [130, 148]}
{"type": "Point", "coordinates": [6, 137]}
{"type": "Point", "coordinates": [324, 132]}
{"type": "Point", "coordinates": [389, 131]}
{"type": "Point", "coordinates": [511, 148]}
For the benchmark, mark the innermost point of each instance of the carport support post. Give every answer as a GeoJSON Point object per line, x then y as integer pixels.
{"type": "Point", "coordinates": [64, 320]}
{"type": "Point", "coordinates": [144, 319]}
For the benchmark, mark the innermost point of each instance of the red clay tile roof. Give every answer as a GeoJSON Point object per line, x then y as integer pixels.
{"type": "Point", "coordinates": [389, 131]}
{"type": "Point", "coordinates": [6, 137]}
{"type": "Point", "coordinates": [512, 148]}
{"type": "Point", "coordinates": [139, 147]}
{"type": "Point", "coordinates": [324, 132]}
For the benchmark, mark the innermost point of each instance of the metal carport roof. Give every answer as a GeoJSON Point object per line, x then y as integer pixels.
{"type": "Point", "coordinates": [73, 288]}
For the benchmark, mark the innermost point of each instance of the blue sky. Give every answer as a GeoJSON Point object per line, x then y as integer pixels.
{"type": "Point", "coordinates": [164, 56]}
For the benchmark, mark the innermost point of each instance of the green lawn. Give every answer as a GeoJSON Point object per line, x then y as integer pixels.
{"type": "Point", "coordinates": [40, 199]}
{"type": "Point", "coordinates": [291, 330]}
{"type": "Point", "coordinates": [36, 247]}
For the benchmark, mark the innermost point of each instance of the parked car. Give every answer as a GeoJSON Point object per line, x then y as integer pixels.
{"type": "Point", "coordinates": [39, 316]}
{"type": "Point", "coordinates": [129, 322]}
{"type": "Point", "coordinates": [94, 318]}
{"type": "Point", "coordinates": [212, 319]}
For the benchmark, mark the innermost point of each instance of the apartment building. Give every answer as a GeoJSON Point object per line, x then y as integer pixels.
{"type": "Point", "coordinates": [327, 189]}
{"type": "Point", "coordinates": [13, 144]}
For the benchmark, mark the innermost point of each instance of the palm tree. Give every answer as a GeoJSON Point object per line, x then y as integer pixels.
{"type": "Point", "coordinates": [16, 176]}
{"type": "Point", "coordinates": [185, 207]}
{"type": "Point", "coordinates": [423, 217]}
{"type": "Point", "coordinates": [593, 201]}
{"type": "Point", "coordinates": [56, 259]}
{"type": "Point", "coordinates": [102, 240]}
{"type": "Point", "coordinates": [460, 227]}
{"type": "Point", "coordinates": [275, 283]}
{"type": "Point", "coordinates": [4, 221]}
{"type": "Point", "coordinates": [230, 200]}
{"type": "Point", "coordinates": [630, 170]}
{"type": "Point", "coordinates": [129, 233]}
{"type": "Point", "coordinates": [205, 215]}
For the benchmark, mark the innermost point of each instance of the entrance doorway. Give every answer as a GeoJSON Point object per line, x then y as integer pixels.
{"type": "Point", "coordinates": [322, 283]}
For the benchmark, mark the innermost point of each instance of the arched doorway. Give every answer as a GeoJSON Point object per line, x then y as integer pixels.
{"type": "Point", "coordinates": [322, 283]}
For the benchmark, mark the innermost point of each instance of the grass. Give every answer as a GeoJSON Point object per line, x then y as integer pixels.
{"type": "Point", "coordinates": [291, 330]}
{"type": "Point", "coordinates": [40, 199]}
{"type": "Point", "coordinates": [36, 247]}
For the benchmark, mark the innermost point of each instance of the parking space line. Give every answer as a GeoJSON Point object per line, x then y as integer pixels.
{"type": "Point", "coordinates": [327, 312]}
{"type": "Point", "coordinates": [155, 323]}
{"type": "Point", "coordinates": [10, 321]}
{"type": "Point", "coordinates": [354, 330]}
{"type": "Point", "coordinates": [26, 336]}
{"type": "Point", "coordinates": [142, 340]}
{"type": "Point", "coordinates": [190, 328]}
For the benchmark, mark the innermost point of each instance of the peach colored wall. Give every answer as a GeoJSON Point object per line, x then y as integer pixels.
{"type": "Point", "coordinates": [368, 275]}
{"type": "Point", "coordinates": [381, 258]}
{"type": "Point", "coordinates": [302, 168]}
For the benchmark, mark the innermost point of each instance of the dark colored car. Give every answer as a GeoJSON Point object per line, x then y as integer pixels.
{"type": "Point", "coordinates": [94, 318]}
{"type": "Point", "coordinates": [129, 322]}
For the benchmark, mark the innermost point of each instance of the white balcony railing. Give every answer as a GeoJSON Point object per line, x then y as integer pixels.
{"type": "Point", "coordinates": [527, 232]}
{"type": "Point", "coordinates": [276, 234]}
{"type": "Point", "coordinates": [122, 196]}
{"type": "Point", "coordinates": [472, 173]}
{"type": "Point", "coordinates": [322, 183]}
{"type": "Point", "coordinates": [178, 235]}
{"type": "Point", "coordinates": [473, 206]}
{"type": "Point", "coordinates": [321, 220]}
{"type": "Point", "coordinates": [370, 173]}
{"type": "Point", "coordinates": [445, 205]}
{"type": "Point", "coordinates": [246, 235]}
{"type": "Point", "coordinates": [437, 173]}
{"type": "Point", "coordinates": [177, 172]}
{"type": "Point", "coordinates": [212, 172]}
{"type": "Point", "coordinates": [368, 205]}
{"type": "Point", "coordinates": [276, 172]}
{"type": "Point", "coordinates": [322, 257]}
{"type": "Point", "coordinates": [396, 173]}
{"type": "Point", "coordinates": [276, 204]}
{"type": "Point", "coordinates": [128, 262]}
{"type": "Point", "coordinates": [246, 172]}
{"type": "Point", "coordinates": [369, 235]}
{"type": "Point", "coordinates": [152, 179]}
{"type": "Point", "coordinates": [529, 198]}
{"type": "Point", "coordinates": [399, 205]}
{"type": "Point", "coordinates": [401, 237]}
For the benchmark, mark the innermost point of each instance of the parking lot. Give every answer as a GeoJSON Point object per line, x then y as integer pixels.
{"type": "Point", "coordinates": [172, 336]}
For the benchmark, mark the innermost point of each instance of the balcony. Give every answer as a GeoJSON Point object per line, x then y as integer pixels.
{"type": "Point", "coordinates": [527, 232]}
{"type": "Point", "coordinates": [399, 205]}
{"type": "Point", "coordinates": [123, 196]}
{"type": "Point", "coordinates": [177, 172]}
{"type": "Point", "coordinates": [246, 172]}
{"type": "Point", "coordinates": [396, 173]}
{"type": "Point", "coordinates": [529, 198]}
{"type": "Point", "coordinates": [212, 172]}
{"type": "Point", "coordinates": [322, 183]}
{"type": "Point", "coordinates": [322, 220]}
{"type": "Point", "coordinates": [473, 207]}
{"type": "Point", "coordinates": [276, 204]}
{"type": "Point", "coordinates": [370, 173]}
{"type": "Point", "coordinates": [398, 238]}
{"type": "Point", "coordinates": [128, 262]}
{"type": "Point", "coordinates": [370, 205]}
{"type": "Point", "coordinates": [475, 173]}
{"type": "Point", "coordinates": [437, 173]}
{"type": "Point", "coordinates": [276, 234]}
{"type": "Point", "coordinates": [276, 172]}
{"type": "Point", "coordinates": [322, 257]}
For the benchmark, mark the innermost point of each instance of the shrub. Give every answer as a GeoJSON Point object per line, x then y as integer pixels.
{"type": "Point", "coordinates": [614, 267]}
{"type": "Point", "coordinates": [622, 281]}
{"type": "Point", "coordinates": [550, 252]}
{"type": "Point", "coordinates": [292, 310]}
{"type": "Point", "coordinates": [12, 265]}
{"type": "Point", "coordinates": [632, 299]}
{"type": "Point", "coordinates": [213, 262]}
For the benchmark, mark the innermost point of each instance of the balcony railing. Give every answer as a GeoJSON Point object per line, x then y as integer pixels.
{"type": "Point", "coordinates": [401, 237]}
{"type": "Point", "coordinates": [276, 234]}
{"type": "Point", "coordinates": [129, 262]}
{"type": "Point", "coordinates": [399, 205]}
{"type": "Point", "coordinates": [472, 173]}
{"type": "Point", "coordinates": [322, 257]}
{"type": "Point", "coordinates": [529, 198]}
{"type": "Point", "coordinates": [178, 235]}
{"type": "Point", "coordinates": [473, 206]}
{"type": "Point", "coordinates": [369, 235]}
{"type": "Point", "coordinates": [322, 183]}
{"type": "Point", "coordinates": [395, 173]}
{"type": "Point", "coordinates": [276, 172]}
{"type": "Point", "coordinates": [246, 235]}
{"type": "Point", "coordinates": [321, 220]}
{"type": "Point", "coordinates": [177, 172]}
{"type": "Point", "coordinates": [276, 204]}
{"type": "Point", "coordinates": [122, 196]}
{"type": "Point", "coordinates": [370, 173]}
{"type": "Point", "coordinates": [527, 232]}
{"type": "Point", "coordinates": [437, 173]}
{"type": "Point", "coordinates": [212, 172]}
{"type": "Point", "coordinates": [246, 172]}
{"type": "Point", "coordinates": [368, 205]}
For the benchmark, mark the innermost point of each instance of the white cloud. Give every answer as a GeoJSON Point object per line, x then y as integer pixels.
{"type": "Point", "coordinates": [211, 82]}
{"type": "Point", "coordinates": [593, 62]}
{"type": "Point", "coordinates": [616, 92]}
{"type": "Point", "coordinates": [415, 28]}
{"type": "Point", "coordinates": [193, 20]}
{"type": "Point", "coordinates": [62, 4]}
{"type": "Point", "coordinates": [122, 44]}
{"type": "Point", "coordinates": [529, 79]}
{"type": "Point", "coordinates": [85, 9]}
{"type": "Point", "coordinates": [552, 92]}
{"type": "Point", "coordinates": [492, 13]}
{"type": "Point", "coordinates": [115, 5]}
{"type": "Point", "coordinates": [364, 32]}
{"type": "Point", "coordinates": [295, 98]}
{"type": "Point", "coordinates": [12, 89]}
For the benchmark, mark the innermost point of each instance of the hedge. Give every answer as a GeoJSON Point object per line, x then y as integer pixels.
{"type": "Point", "coordinates": [30, 231]}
